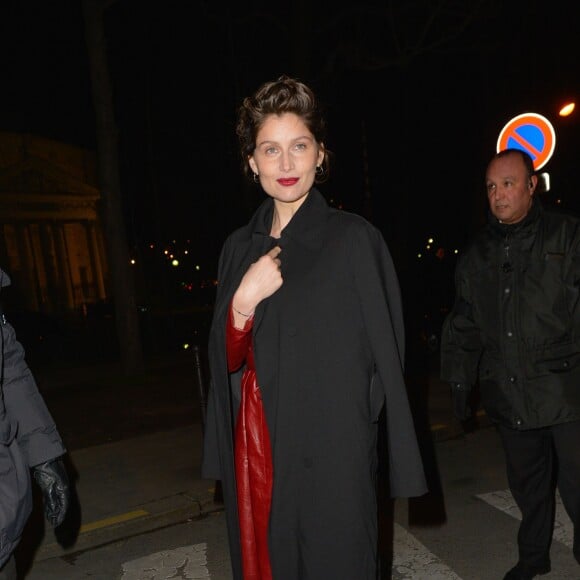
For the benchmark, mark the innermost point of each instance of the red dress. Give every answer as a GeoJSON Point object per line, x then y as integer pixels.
{"type": "Point", "coordinates": [253, 457]}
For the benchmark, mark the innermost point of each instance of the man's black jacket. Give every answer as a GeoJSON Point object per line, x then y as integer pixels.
{"type": "Point", "coordinates": [515, 324]}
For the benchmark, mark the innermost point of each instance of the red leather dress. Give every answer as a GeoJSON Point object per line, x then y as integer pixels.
{"type": "Point", "coordinates": [253, 457]}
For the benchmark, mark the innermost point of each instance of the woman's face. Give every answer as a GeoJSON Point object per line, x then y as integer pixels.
{"type": "Point", "coordinates": [285, 158]}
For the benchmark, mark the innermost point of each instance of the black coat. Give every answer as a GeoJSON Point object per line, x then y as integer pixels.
{"type": "Point", "coordinates": [329, 349]}
{"type": "Point", "coordinates": [515, 325]}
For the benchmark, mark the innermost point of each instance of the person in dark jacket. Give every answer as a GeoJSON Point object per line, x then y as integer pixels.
{"type": "Point", "coordinates": [515, 328]}
{"type": "Point", "coordinates": [306, 347]}
{"type": "Point", "coordinates": [28, 440]}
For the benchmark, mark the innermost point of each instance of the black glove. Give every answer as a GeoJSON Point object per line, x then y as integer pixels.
{"type": "Point", "coordinates": [52, 479]}
{"type": "Point", "coordinates": [460, 394]}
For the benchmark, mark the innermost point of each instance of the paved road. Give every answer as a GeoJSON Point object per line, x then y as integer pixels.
{"type": "Point", "coordinates": [143, 512]}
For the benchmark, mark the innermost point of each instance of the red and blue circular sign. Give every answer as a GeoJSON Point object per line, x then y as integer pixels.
{"type": "Point", "coordinates": [531, 133]}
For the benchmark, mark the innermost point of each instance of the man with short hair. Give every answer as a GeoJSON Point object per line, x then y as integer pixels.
{"type": "Point", "coordinates": [515, 328]}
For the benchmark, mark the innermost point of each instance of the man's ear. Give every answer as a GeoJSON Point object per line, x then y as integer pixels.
{"type": "Point", "coordinates": [532, 183]}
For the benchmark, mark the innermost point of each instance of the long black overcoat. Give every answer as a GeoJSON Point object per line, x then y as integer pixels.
{"type": "Point", "coordinates": [329, 350]}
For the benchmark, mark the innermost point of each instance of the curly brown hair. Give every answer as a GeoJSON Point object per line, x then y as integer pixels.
{"type": "Point", "coordinates": [284, 95]}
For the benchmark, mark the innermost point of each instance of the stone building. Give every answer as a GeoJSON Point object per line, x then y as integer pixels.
{"type": "Point", "coordinates": [51, 238]}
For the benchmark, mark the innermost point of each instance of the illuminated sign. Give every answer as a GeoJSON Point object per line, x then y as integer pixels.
{"type": "Point", "coordinates": [531, 133]}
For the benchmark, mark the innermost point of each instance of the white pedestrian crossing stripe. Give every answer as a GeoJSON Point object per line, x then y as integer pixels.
{"type": "Point", "coordinates": [411, 559]}
{"type": "Point", "coordinates": [185, 562]}
{"type": "Point", "coordinates": [504, 501]}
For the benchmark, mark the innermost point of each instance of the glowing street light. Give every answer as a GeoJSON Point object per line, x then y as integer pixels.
{"type": "Point", "coordinates": [567, 109]}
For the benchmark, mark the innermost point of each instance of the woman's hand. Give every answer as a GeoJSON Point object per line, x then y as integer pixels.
{"type": "Point", "coordinates": [261, 280]}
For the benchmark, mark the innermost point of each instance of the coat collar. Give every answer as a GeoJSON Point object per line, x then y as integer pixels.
{"type": "Point", "coordinates": [521, 228]}
{"type": "Point", "coordinates": [304, 227]}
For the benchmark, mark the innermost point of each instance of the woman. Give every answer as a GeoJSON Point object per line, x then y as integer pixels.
{"type": "Point", "coordinates": [306, 343]}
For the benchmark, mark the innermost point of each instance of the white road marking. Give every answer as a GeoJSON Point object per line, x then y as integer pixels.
{"type": "Point", "coordinates": [189, 562]}
{"type": "Point", "coordinates": [411, 559]}
{"type": "Point", "coordinates": [504, 501]}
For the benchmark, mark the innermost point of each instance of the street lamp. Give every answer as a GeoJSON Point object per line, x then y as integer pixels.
{"type": "Point", "coordinates": [567, 109]}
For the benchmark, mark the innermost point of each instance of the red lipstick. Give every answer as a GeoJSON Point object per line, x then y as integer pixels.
{"type": "Point", "coordinates": [287, 181]}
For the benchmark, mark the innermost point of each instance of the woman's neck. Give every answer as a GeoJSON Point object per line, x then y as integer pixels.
{"type": "Point", "coordinates": [283, 213]}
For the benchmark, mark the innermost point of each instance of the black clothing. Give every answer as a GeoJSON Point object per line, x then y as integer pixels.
{"type": "Point", "coordinates": [8, 569]}
{"type": "Point", "coordinates": [515, 324]}
{"type": "Point", "coordinates": [328, 352]}
{"type": "Point", "coordinates": [522, 571]}
{"type": "Point", "coordinates": [531, 458]}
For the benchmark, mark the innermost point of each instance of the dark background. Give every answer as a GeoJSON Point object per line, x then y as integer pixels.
{"type": "Point", "coordinates": [415, 92]}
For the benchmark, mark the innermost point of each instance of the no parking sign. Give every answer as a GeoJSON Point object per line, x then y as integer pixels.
{"type": "Point", "coordinates": [531, 133]}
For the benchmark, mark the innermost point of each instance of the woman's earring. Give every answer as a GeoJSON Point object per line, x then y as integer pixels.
{"type": "Point", "coordinates": [256, 178]}
{"type": "Point", "coordinates": [319, 170]}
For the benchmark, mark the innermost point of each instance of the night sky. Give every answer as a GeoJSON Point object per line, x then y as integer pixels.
{"type": "Point", "coordinates": [413, 111]}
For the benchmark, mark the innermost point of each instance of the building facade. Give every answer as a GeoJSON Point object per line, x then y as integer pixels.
{"type": "Point", "coordinates": [51, 240]}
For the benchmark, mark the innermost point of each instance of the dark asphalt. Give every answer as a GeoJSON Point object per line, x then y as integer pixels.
{"type": "Point", "coordinates": [96, 404]}
{"type": "Point", "coordinates": [135, 450]}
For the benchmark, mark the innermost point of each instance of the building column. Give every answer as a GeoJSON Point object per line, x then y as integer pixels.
{"type": "Point", "coordinates": [96, 261]}
{"type": "Point", "coordinates": [4, 259]}
{"type": "Point", "coordinates": [27, 282]}
{"type": "Point", "coordinates": [63, 263]}
{"type": "Point", "coordinates": [51, 266]}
